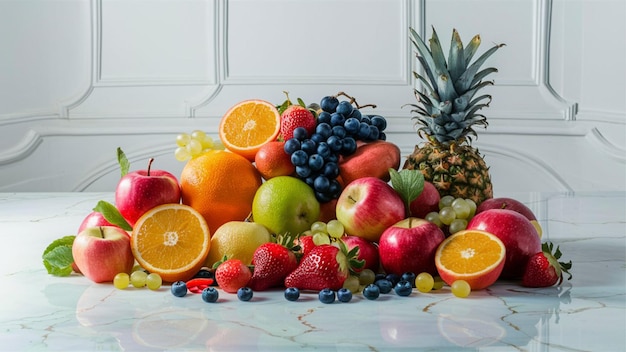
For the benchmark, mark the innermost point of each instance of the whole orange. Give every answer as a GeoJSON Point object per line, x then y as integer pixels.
{"type": "Point", "coordinates": [220, 185]}
{"type": "Point", "coordinates": [271, 160]}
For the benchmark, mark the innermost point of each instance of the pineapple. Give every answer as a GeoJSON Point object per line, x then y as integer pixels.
{"type": "Point", "coordinates": [447, 111]}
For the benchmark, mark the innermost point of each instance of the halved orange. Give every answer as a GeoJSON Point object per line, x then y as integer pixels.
{"type": "Point", "coordinates": [248, 125]}
{"type": "Point", "coordinates": [471, 255]}
{"type": "Point", "coordinates": [171, 240]}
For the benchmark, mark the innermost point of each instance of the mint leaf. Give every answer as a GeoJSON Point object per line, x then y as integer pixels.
{"type": "Point", "coordinates": [123, 161]}
{"type": "Point", "coordinates": [57, 257]}
{"type": "Point", "coordinates": [409, 184]}
{"type": "Point", "coordinates": [112, 215]}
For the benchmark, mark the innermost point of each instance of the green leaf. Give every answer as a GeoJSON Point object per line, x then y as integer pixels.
{"type": "Point", "coordinates": [123, 161]}
{"type": "Point", "coordinates": [301, 103]}
{"type": "Point", "coordinates": [409, 184]}
{"type": "Point", "coordinates": [112, 215]}
{"type": "Point", "coordinates": [57, 257]}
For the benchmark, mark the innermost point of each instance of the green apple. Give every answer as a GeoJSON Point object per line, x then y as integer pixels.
{"type": "Point", "coordinates": [285, 204]}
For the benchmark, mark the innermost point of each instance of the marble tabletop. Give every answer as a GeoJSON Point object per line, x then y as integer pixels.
{"type": "Point", "coordinates": [588, 313]}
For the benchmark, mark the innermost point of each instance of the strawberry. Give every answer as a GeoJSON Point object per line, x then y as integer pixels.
{"type": "Point", "coordinates": [543, 269]}
{"type": "Point", "coordinates": [272, 263]}
{"type": "Point", "coordinates": [232, 274]}
{"type": "Point", "coordinates": [324, 266]}
{"type": "Point", "coordinates": [296, 116]}
{"type": "Point", "coordinates": [305, 242]}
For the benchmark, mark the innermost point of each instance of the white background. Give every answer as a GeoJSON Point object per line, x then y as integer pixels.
{"type": "Point", "coordinates": [78, 78]}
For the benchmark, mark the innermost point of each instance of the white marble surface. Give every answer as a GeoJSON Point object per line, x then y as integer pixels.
{"type": "Point", "coordinates": [588, 313]}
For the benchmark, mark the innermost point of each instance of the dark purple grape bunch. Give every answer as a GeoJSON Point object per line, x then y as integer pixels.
{"type": "Point", "coordinates": [340, 125]}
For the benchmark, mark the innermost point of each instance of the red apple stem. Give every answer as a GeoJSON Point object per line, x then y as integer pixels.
{"type": "Point", "coordinates": [101, 231]}
{"type": "Point", "coordinates": [149, 165]}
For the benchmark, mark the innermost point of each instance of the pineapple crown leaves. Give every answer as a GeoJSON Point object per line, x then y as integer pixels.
{"type": "Point", "coordinates": [447, 109]}
{"type": "Point", "coordinates": [553, 256]}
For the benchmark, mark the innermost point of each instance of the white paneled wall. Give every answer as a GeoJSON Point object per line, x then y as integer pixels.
{"type": "Point", "coordinates": [79, 78]}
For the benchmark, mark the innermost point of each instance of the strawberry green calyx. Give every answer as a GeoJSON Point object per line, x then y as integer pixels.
{"type": "Point", "coordinates": [553, 258]}
{"type": "Point", "coordinates": [349, 259]}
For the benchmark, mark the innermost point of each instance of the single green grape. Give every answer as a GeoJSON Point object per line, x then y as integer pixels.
{"type": "Point", "coordinates": [207, 143]}
{"type": "Point", "coordinates": [138, 278]}
{"type": "Point", "coordinates": [352, 283]}
{"type": "Point", "coordinates": [183, 139]}
{"type": "Point", "coordinates": [424, 282]}
{"type": "Point", "coordinates": [121, 281]}
{"type": "Point", "coordinates": [182, 154]}
{"type": "Point", "coordinates": [320, 238]}
{"type": "Point", "coordinates": [460, 288]}
{"type": "Point", "coordinates": [438, 284]}
{"type": "Point", "coordinates": [445, 201]}
{"type": "Point", "coordinates": [198, 135]}
{"type": "Point", "coordinates": [457, 225]}
{"type": "Point", "coordinates": [366, 277]}
{"type": "Point", "coordinates": [194, 147]}
{"type": "Point", "coordinates": [447, 215]}
{"type": "Point", "coordinates": [319, 226]}
{"type": "Point", "coordinates": [472, 206]}
{"type": "Point", "coordinates": [154, 281]}
{"type": "Point", "coordinates": [433, 217]}
{"type": "Point", "coordinates": [335, 228]}
{"type": "Point", "coordinates": [461, 208]}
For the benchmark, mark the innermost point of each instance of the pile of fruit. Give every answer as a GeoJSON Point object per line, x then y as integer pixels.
{"type": "Point", "coordinates": [312, 197]}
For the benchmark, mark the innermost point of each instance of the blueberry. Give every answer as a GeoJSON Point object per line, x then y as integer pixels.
{"type": "Point", "coordinates": [300, 133]}
{"type": "Point", "coordinates": [316, 162]}
{"type": "Point", "coordinates": [299, 158]}
{"type": "Point", "coordinates": [356, 114]}
{"type": "Point", "coordinates": [321, 184]}
{"type": "Point", "coordinates": [394, 278]}
{"type": "Point", "coordinates": [324, 117]}
{"type": "Point", "coordinates": [373, 133]}
{"type": "Point", "coordinates": [323, 197]}
{"type": "Point", "coordinates": [329, 104]}
{"type": "Point", "coordinates": [379, 122]}
{"type": "Point", "coordinates": [303, 171]}
{"type": "Point", "coordinates": [339, 131]}
{"type": "Point", "coordinates": [317, 138]}
{"type": "Point", "coordinates": [379, 276]}
{"type": "Point", "coordinates": [291, 146]}
{"type": "Point", "coordinates": [210, 295]}
{"type": "Point", "coordinates": [348, 146]}
{"type": "Point", "coordinates": [323, 150]}
{"type": "Point", "coordinates": [364, 131]}
{"type": "Point", "coordinates": [352, 125]}
{"type": "Point", "coordinates": [366, 119]}
{"type": "Point", "coordinates": [331, 170]}
{"type": "Point", "coordinates": [410, 277]}
{"type": "Point", "coordinates": [382, 136]}
{"type": "Point", "coordinates": [292, 294]}
{"type": "Point", "coordinates": [324, 129]}
{"type": "Point", "coordinates": [309, 146]}
{"type": "Point", "coordinates": [205, 274]}
{"type": "Point", "coordinates": [335, 188]}
{"type": "Point", "coordinates": [326, 296]}
{"type": "Point", "coordinates": [345, 108]}
{"type": "Point", "coordinates": [179, 289]}
{"type": "Point", "coordinates": [403, 288]}
{"type": "Point", "coordinates": [310, 180]}
{"type": "Point", "coordinates": [337, 119]}
{"type": "Point", "coordinates": [244, 293]}
{"type": "Point", "coordinates": [333, 158]}
{"type": "Point", "coordinates": [384, 285]}
{"type": "Point", "coordinates": [344, 295]}
{"type": "Point", "coordinates": [371, 292]}
{"type": "Point", "coordinates": [335, 143]}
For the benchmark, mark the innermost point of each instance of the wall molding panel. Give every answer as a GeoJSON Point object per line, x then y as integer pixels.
{"type": "Point", "coordinates": [135, 73]}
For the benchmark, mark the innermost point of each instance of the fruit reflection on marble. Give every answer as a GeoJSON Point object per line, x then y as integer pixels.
{"type": "Point", "coordinates": [323, 181]}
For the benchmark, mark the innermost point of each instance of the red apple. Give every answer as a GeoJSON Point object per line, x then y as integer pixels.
{"type": "Point", "coordinates": [506, 203]}
{"type": "Point", "coordinates": [426, 202]}
{"type": "Point", "coordinates": [516, 232]}
{"type": "Point", "coordinates": [410, 246]}
{"type": "Point", "coordinates": [368, 252]}
{"type": "Point", "coordinates": [367, 206]}
{"type": "Point", "coordinates": [93, 219]}
{"type": "Point", "coordinates": [102, 252]}
{"type": "Point", "coordinates": [142, 190]}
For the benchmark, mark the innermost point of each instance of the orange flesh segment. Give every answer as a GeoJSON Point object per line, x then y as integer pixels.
{"type": "Point", "coordinates": [472, 253]}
